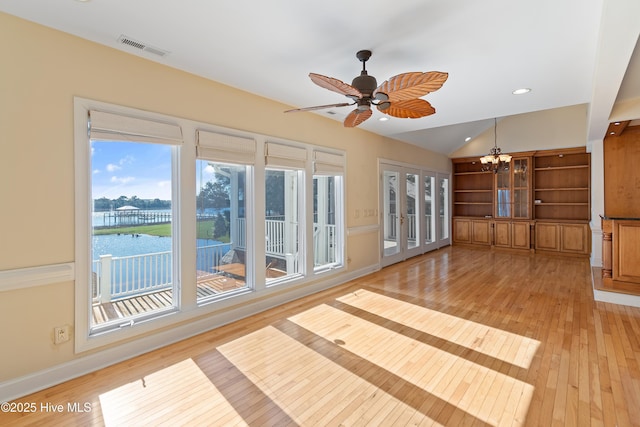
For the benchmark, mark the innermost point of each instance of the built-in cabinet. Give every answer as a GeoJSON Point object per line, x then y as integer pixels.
{"type": "Point", "coordinates": [512, 234]}
{"type": "Point", "coordinates": [541, 202]}
{"type": "Point", "coordinates": [562, 237]}
{"type": "Point", "coordinates": [562, 185]}
{"type": "Point", "coordinates": [471, 231]}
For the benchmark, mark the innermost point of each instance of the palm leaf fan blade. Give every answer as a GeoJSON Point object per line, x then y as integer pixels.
{"type": "Point", "coordinates": [412, 85]}
{"type": "Point", "coordinates": [356, 117]}
{"type": "Point", "coordinates": [411, 109]}
{"type": "Point", "coordinates": [335, 85]}
{"type": "Point", "coordinates": [318, 107]}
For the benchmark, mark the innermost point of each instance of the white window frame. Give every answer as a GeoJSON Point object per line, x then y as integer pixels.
{"type": "Point", "coordinates": [191, 317]}
{"type": "Point", "coordinates": [86, 337]}
{"type": "Point", "coordinates": [223, 148]}
{"type": "Point", "coordinates": [331, 163]}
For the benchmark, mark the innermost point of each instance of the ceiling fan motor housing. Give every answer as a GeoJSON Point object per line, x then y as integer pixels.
{"type": "Point", "coordinates": [365, 83]}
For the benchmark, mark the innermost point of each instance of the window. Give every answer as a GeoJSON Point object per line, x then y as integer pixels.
{"type": "Point", "coordinates": [283, 233]}
{"type": "Point", "coordinates": [284, 209]}
{"type": "Point", "coordinates": [223, 252]}
{"type": "Point", "coordinates": [328, 223]}
{"type": "Point", "coordinates": [134, 273]}
{"type": "Point", "coordinates": [221, 224]}
{"type": "Point", "coordinates": [166, 233]}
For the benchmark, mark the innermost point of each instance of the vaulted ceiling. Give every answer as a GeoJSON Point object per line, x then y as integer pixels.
{"type": "Point", "coordinates": [567, 52]}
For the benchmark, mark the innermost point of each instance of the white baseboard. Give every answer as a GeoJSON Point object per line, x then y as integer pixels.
{"type": "Point", "coordinates": [616, 298]}
{"type": "Point", "coordinates": [36, 381]}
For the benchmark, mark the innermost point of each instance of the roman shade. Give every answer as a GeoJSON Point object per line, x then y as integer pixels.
{"type": "Point", "coordinates": [116, 127]}
{"type": "Point", "coordinates": [325, 163]}
{"type": "Point", "coordinates": [277, 154]}
{"type": "Point", "coordinates": [225, 148]}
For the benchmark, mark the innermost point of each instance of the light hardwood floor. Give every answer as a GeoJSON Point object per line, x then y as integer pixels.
{"type": "Point", "coordinates": [460, 336]}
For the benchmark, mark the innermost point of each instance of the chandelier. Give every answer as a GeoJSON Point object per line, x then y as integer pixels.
{"type": "Point", "coordinates": [495, 160]}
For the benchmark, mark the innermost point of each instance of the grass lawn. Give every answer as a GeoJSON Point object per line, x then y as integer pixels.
{"type": "Point", "coordinates": [203, 230]}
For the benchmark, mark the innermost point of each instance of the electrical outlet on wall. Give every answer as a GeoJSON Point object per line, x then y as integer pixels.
{"type": "Point", "coordinates": [60, 334]}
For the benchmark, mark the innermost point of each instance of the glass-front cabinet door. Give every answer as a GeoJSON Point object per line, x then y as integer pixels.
{"type": "Point", "coordinates": [503, 193]}
{"type": "Point", "coordinates": [521, 193]}
{"type": "Point", "coordinates": [512, 190]}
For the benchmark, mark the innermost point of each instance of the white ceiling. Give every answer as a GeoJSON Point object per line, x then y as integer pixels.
{"type": "Point", "coordinates": [489, 48]}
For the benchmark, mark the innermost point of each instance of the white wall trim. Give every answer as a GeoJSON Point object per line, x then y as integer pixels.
{"type": "Point", "coordinates": [21, 386]}
{"type": "Point", "coordinates": [22, 278]}
{"type": "Point", "coordinates": [363, 229]}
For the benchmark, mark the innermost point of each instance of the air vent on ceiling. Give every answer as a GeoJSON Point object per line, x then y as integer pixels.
{"type": "Point", "coordinates": [141, 46]}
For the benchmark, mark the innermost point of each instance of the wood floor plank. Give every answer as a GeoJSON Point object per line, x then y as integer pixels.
{"type": "Point", "coordinates": [436, 340]}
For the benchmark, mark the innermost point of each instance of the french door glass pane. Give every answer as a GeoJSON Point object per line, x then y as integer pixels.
{"type": "Point", "coordinates": [221, 243]}
{"type": "Point", "coordinates": [429, 209]}
{"type": "Point", "coordinates": [132, 235]}
{"type": "Point", "coordinates": [444, 208]}
{"type": "Point", "coordinates": [413, 209]}
{"type": "Point", "coordinates": [391, 218]}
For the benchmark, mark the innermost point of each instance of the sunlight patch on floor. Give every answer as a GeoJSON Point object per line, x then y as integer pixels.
{"type": "Point", "coordinates": [310, 388]}
{"type": "Point", "coordinates": [182, 391]}
{"type": "Point", "coordinates": [480, 391]}
{"type": "Point", "coordinates": [503, 345]}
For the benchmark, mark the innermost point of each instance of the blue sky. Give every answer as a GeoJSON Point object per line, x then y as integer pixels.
{"type": "Point", "coordinates": [130, 169]}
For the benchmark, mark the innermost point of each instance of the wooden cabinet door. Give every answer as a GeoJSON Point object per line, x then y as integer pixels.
{"type": "Point", "coordinates": [547, 237]}
{"type": "Point", "coordinates": [520, 235]}
{"type": "Point", "coordinates": [574, 238]}
{"type": "Point", "coordinates": [481, 232]}
{"type": "Point", "coordinates": [462, 230]}
{"type": "Point", "coordinates": [626, 251]}
{"type": "Point", "coordinates": [502, 232]}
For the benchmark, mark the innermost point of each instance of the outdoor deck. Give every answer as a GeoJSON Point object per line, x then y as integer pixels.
{"type": "Point", "coordinates": [208, 285]}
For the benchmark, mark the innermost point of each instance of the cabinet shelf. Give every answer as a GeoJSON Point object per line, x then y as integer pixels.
{"type": "Point", "coordinates": [555, 168]}
{"type": "Point", "coordinates": [561, 204]}
{"type": "Point", "coordinates": [563, 189]}
{"type": "Point", "coordinates": [473, 191]}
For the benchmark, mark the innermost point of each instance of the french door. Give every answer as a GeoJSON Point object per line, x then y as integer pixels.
{"type": "Point", "coordinates": [415, 210]}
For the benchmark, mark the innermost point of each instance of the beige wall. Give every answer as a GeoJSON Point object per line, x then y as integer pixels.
{"type": "Point", "coordinates": [39, 77]}
{"type": "Point", "coordinates": [543, 130]}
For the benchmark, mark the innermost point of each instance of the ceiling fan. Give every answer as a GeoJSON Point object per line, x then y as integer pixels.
{"type": "Point", "coordinates": [398, 97]}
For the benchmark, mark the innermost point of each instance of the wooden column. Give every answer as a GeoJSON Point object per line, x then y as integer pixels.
{"type": "Point", "coordinates": [607, 249]}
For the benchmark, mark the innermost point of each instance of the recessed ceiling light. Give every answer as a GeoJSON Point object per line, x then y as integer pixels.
{"type": "Point", "coordinates": [383, 119]}
{"type": "Point", "coordinates": [521, 91]}
{"type": "Point", "coordinates": [617, 123]}
{"type": "Point", "coordinates": [467, 139]}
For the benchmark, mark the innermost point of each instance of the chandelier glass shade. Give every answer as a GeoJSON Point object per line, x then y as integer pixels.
{"type": "Point", "coordinates": [495, 160]}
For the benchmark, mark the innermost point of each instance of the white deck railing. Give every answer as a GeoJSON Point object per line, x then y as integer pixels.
{"type": "Point", "coordinates": [123, 277]}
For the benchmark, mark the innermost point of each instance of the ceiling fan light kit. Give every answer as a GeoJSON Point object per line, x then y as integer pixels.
{"type": "Point", "coordinates": [398, 97]}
